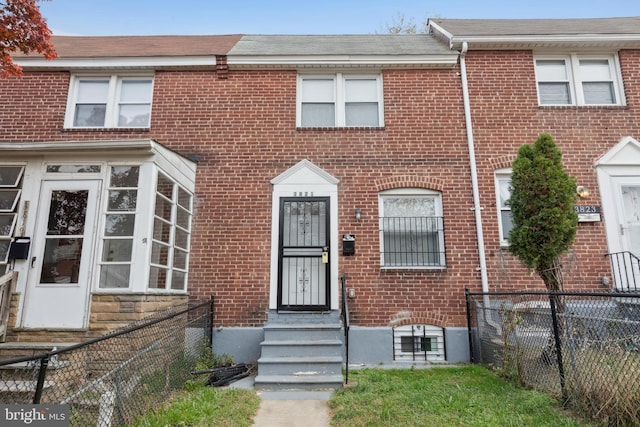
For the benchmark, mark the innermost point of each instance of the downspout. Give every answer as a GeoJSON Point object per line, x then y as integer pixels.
{"type": "Point", "coordinates": [474, 172]}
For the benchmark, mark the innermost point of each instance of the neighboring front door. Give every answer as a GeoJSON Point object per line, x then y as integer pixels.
{"type": "Point", "coordinates": [303, 264]}
{"type": "Point", "coordinates": [629, 213]}
{"type": "Point", "coordinates": [58, 287]}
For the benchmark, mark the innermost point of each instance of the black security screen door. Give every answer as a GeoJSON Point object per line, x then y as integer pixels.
{"type": "Point", "coordinates": [303, 265]}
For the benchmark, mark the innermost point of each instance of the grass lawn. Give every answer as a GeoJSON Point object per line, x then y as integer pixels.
{"type": "Point", "coordinates": [458, 396]}
{"type": "Point", "coordinates": [447, 396]}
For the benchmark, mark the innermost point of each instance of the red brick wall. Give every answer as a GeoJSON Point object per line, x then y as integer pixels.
{"type": "Point", "coordinates": [243, 128]}
{"type": "Point", "coordinates": [506, 115]}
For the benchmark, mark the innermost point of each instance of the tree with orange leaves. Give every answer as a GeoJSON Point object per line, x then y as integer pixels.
{"type": "Point", "coordinates": [22, 29]}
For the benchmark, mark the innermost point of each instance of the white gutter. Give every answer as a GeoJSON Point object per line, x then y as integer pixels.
{"type": "Point", "coordinates": [474, 172]}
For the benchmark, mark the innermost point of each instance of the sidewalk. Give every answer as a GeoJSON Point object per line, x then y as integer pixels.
{"type": "Point", "coordinates": [289, 408]}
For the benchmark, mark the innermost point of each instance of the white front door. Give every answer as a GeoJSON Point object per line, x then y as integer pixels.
{"type": "Point", "coordinates": [628, 189]}
{"type": "Point", "coordinates": [58, 287]}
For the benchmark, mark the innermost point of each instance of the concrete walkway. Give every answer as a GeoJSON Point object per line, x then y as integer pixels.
{"type": "Point", "coordinates": [289, 408]}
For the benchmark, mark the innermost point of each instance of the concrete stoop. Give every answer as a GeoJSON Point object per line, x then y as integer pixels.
{"type": "Point", "coordinates": [301, 351]}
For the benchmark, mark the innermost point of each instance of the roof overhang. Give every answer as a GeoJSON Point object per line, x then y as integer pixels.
{"type": "Point", "coordinates": [102, 63]}
{"type": "Point", "coordinates": [343, 61]}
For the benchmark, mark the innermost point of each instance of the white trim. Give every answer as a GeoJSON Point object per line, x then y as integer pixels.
{"type": "Point", "coordinates": [345, 61]}
{"type": "Point", "coordinates": [498, 175]}
{"type": "Point", "coordinates": [101, 63]}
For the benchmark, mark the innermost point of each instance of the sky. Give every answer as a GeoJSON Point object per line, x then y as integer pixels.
{"type": "Point", "coordinates": [158, 17]}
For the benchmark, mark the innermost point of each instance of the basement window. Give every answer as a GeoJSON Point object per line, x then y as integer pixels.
{"type": "Point", "coordinates": [418, 342]}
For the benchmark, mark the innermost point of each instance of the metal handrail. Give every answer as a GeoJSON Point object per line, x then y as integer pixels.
{"type": "Point", "coordinates": [625, 269]}
{"type": "Point", "coordinates": [346, 324]}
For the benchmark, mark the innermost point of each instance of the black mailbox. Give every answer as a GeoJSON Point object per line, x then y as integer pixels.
{"type": "Point", "coordinates": [19, 248]}
{"type": "Point", "coordinates": [348, 244]}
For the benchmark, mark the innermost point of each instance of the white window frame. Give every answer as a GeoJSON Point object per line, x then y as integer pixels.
{"type": "Point", "coordinates": [434, 333]}
{"type": "Point", "coordinates": [575, 80]}
{"type": "Point", "coordinates": [502, 175]}
{"type": "Point", "coordinates": [112, 102]}
{"type": "Point", "coordinates": [419, 193]}
{"type": "Point", "coordinates": [339, 96]}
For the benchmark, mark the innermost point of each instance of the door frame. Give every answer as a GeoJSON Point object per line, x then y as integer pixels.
{"type": "Point", "coordinates": [281, 256]}
{"type": "Point", "coordinates": [304, 179]}
{"type": "Point", "coordinates": [86, 268]}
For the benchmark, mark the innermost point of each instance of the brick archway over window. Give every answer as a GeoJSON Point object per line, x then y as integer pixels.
{"type": "Point", "coordinates": [409, 181]}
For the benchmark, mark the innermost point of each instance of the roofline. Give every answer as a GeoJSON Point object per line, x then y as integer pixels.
{"type": "Point", "coordinates": [343, 61]}
{"type": "Point", "coordinates": [617, 41]}
{"type": "Point", "coordinates": [206, 61]}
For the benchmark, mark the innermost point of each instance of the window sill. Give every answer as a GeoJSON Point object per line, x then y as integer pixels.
{"type": "Point", "coordinates": [127, 291]}
{"type": "Point", "coordinates": [341, 128]}
{"type": "Point", "coordinates": [147, 129]}
{"type": "Point", "coordinates": [416, 268]}
{"type": "Point", "coordinates": [583, 107]}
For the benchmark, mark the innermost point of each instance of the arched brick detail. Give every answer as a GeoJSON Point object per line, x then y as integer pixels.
{"type": "Point", "coordinates": [434, 318]}
{"type": "Point", "coordinates": [409, 181]}
{"type": "Point", "coordinates": [502, 162]}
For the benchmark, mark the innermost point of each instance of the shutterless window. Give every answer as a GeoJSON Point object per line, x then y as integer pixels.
{"type": "Point", "coordinates": [10, 192]}
{"type": "Point", "coordinates": [340, 100]}
{"type": "Point", "coordinates": [113, 101]}
{"type": "Point", "coordinates": [411, 229]}
{"type": "Point", "coordinates": [578, 80]}
{"type": "Point", "coordinates": [503, 192]}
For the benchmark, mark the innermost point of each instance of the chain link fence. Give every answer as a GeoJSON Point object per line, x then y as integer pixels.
{"type": "Point", "coordinates": [111, 380]}
{"type": "Point", "coordinates": [584, 348]}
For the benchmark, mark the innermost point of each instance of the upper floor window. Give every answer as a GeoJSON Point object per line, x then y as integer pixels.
{"type": "Point", "coordinates": [578, 80]}
{"type": "Point", "coordinates": [411, 229]}
{"type": "Point", "coordinates": [109, 102]}
{"type": "Point", "coordinates": [503, 193]}
{"type": "Point", "coordinates": [340, 100]}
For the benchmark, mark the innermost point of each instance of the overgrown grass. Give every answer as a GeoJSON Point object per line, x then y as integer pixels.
{"type": "Point", "coordinates": [201, 406]}
{"type": "Point", "coordinates": [459, 396]}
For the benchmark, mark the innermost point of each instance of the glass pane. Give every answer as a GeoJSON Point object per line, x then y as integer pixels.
{"type": "Point", "coordinates": [318, 115]}
{"type": "Point", "coordinates": [409, 206]}
{"type": "Point", "coordinates": [122, 200]}
{"type": "Point", "coordinates": [180, 259]}
{"type": "Point", "coordinates": [4, 250]}
{"type": "Point", "coordinates": [125, 176]}
{"type": "Point", "coordinates": [90, 115]}
{"type": "Point", "coordinates": [595, 70]}
{"type": "Point", "coordinates": [8, 200]}
{"type": "Point", "coordinates": [61, 261]}
{"type": "Point", "coordinates": [92, 91]}
{"type": "Point", "coordinates": [178, 280]}
{"type": "Point", "coordinates": [182, 239]}
{"type": "Point", "coordinates": [554, 93]}
{"type": "Point", "coordinates": [7, 223]}
{"type": "Point", "coordinates": [157, 278]}
{"type": "Point", "coordinates": [507, 223]}
{"type": "Point", "coordinates": [184, 199]}
{"type": "Point", "coordinates": [67, 212]}
{"type": "Point", "coordinates": [161, 230]}
{"type": "Point", "coordinates": [598, 93]}
{"type": "Point", "coordinates": [318, 90]}
{"type": "Point", "coordinates": [137, 91]}
{"type": "Point", "coordinates": [10, 175]}
{"type": "Point", "coordinates": [165, 186]}
{"type": "Point", "coordinates": [114, 276]}
{"type": "Point", "coordinates": [159, 254]}
{"type": "Point", "coordinates": [361, 90]}
{"type": "Point", "coordinates": [163, 208]}
{"type": "Point", "coordinates": [73, 168]}
{"type": "Point", "coordinates": [117, 250]}
{"type": "Point", "coordinates": [135, 115]}
{"type": "Point", "coordinates": [504, 188]}
{"type": "Point", "coordinates": [183, 218]}
{"type": "Point", "coordinates": [362, 114]}
{"type": "Point", "coordinates": [119, 224]}
{"type": "Point", "coordinates": [550, 70]}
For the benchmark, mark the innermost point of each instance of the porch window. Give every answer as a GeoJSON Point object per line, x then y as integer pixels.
{"type": "Point", "coordinates": [411, 229]}
{"type": "Point", "coordinates": [10, 192]}
{"type": "Point", "coordinates": [340, 100]}
{"type": "Point", "coordinates": [109, 102]}
{"type": "Point", "coordinates": [171, 235]}
{"type": "Point", "coordinates": [120, 221]}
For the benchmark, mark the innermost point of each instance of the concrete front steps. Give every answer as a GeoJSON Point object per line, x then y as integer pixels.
{"type": "Point", "coordinates": [301, 351]}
